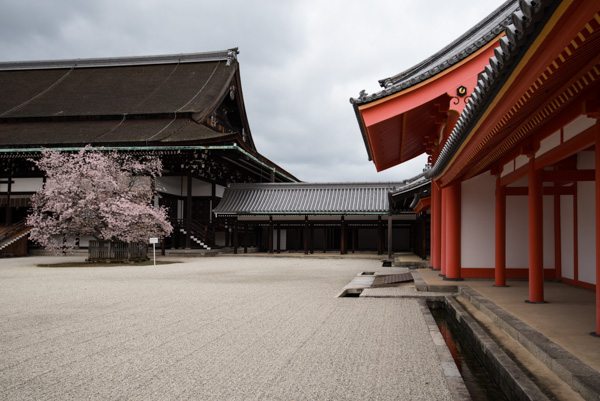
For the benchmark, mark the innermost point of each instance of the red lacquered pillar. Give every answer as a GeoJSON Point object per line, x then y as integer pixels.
{"type": "Point", "coordinates": [444, 233]}
{"type": "Point", "coordinates": [597, 155]}
{"type": "Point", "coordinates": [436, 226]}
{"type": "Point", "coordinates": [500, 240]}
{"type": "Point", "coordinates": [536, 255]}
{"type": "Point", "coordinates": [453, 249]}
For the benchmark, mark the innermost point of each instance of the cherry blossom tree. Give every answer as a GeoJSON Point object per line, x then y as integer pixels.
{"type": "Point", "coordinates": [96, 193]}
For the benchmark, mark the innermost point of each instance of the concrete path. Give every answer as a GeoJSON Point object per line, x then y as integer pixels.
{"type": "Point", "coordinates": [212, 329]}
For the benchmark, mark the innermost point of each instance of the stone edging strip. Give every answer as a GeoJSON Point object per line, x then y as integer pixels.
{"type": "Point", "coordinates": [504, 371]}
{"type": "Point", "coordinates": [582, 378]}
{"type": "Point", "coordinates": [421, 285]}
{"type": "Point", "coordinates": [456, 385]}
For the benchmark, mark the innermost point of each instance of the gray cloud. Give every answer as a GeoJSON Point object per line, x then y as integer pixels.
{"type": "Point", "coordinates": [301, 60]}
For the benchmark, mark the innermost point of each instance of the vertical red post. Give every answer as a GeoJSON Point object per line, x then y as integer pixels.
{"type": "Point", "coordinates": [436, 226]}
{"type": "Point", "coordinates": [536, 255]}
{"type": "Point", "coordinates": [500, 240]}
{"type": "Point", "coordinates": [444, 233]}
{"type": "Point", "coordinates": [597, 155]}
{"type": "Point", "coordinates": [453, 246]}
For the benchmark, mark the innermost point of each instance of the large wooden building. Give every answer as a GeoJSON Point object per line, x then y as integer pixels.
{"type": "Point", "coordinates": [188, 109]}
{"type": "Point", "coordinates": [322, 217]}
{"type": "Point", "coordinates": [509, 115]}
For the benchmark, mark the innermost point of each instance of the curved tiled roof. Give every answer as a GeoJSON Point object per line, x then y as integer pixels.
{"type": "Point", "coordinates": [306, 198]}
{"type": "Point", "coordinates": [518, 33]}
{"type": "Point", "coordinates": [114, 87]}
{"type": "Point", "coordinates": [478, 36]}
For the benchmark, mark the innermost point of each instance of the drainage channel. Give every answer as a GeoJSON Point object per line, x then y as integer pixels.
{"type": "Point", "coordinates": [476, 377]}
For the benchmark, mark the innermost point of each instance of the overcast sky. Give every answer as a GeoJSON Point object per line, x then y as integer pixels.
{"type": "Point", "coordinates": [300, 60]}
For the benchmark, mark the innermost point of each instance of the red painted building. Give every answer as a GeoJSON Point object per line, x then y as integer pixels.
{"type": "Point", "coordinates": [508, 114]}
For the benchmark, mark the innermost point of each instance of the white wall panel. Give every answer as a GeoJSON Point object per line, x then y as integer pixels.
{"type": "Point", "coordinates": [586, 221]}
{"type": "Point", "coordinates": [169, 185]}
{"type": "Point", "coordinates": [477, 221]}
{"type": "Point", "coordinates": [517, 232]}
{"type": "Point", "coordinates": [549, 143]}
{"type": "Point", "coordinates": [548, 230]}
{"type": "Point", "coordinates": [577, 126]}
{"type": "Point", "coordinates": [23, 185]}
{"type": "Point", "coordinates": [566, 237]}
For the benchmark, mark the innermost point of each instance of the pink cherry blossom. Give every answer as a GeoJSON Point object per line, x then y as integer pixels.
{"type": "Point", "coordinates": [96, 193]}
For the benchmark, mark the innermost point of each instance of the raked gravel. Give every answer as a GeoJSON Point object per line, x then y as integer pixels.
{"type": "Point", "coordinates": [222, 328]}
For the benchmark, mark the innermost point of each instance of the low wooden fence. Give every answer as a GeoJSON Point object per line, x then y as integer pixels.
{"type": "Point", "coordinates": [114, 251]}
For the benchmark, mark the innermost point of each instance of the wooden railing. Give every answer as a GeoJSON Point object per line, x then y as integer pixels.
{"type": "Point", "coordinates": [109, 251]}
{"type": "Point", "coordinates": [9, 232]}
{"type": "Point", "coordinates": [200, 229]}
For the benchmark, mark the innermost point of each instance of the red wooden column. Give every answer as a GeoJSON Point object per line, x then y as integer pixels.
{"type": "Point", "coordinates": [453, 247]}
{"type": "Point", "coordinates": [444, 233]}
{"type": "Point", "coordinates": [436, 226]}
{"type": "Point", "coordinates": [500, 250]}
{"type": "Point", "coordinates": [597, 155]}
{"type": "Point", "coordinates": [536, 250]}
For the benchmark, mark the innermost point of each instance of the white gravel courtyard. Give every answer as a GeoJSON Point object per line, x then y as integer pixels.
{"type": "Point", "coordinates": [221, 328]}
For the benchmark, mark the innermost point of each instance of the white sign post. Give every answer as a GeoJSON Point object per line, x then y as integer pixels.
{"type": "Point", "coordinates": [154, 241]}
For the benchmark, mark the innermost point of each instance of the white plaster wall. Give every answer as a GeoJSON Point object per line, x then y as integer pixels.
{"type": "Point", "coordinates": [178, 186]}
{"type": "Point", "coordinates": [548, 230]}
{"type": "Point", "coordinates": [219, 191]}
{"type": "Point", "coordinates": [169, 185]}
{"type": "Point", "coordinates": [577, 126]}
{"type": "Point", "coordinates": [282, 239]}
{"type": "Point", "coordinates": [23, 185]}
{"type": "Point", "coordinates": [586, 222]}
{"type": "Point", "coordinates": [549, 143]}
{"type": "Point", "coordinates": [521, 161]}
{"type": "Point", "coordinates": [566, 237]}
{"type": "Point", "coordinates": [517, 232]}
{"type": "Point", "coordinates": [201, 188]}
{"type": "Point", "coordinates": [508, 168]}
{"type": "Point", "coordinates": [477, 222]}
{"type": "Point", "coordinates": [84, 242]}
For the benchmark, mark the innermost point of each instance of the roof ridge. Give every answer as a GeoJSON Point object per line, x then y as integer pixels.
{"type": "Point", "coordinates": [228, 55]}
{"type": "Point", "coordinates": [469, 42]}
